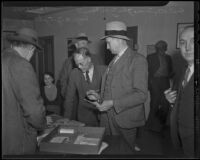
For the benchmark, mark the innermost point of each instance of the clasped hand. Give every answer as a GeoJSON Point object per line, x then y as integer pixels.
{"type": "Point", "coordinates": [93, 95]}
{"type": "Point", "coordinates": [170, 95]}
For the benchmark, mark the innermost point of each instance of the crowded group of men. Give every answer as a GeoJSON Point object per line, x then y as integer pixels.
{"type": "Point", "coordinates": [110, 96]}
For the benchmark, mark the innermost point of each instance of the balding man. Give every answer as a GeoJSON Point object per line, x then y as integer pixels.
{"type": "Point", "coordinates": [182, 98]}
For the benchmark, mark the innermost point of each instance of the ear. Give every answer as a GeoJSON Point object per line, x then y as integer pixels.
{"type": "Point", "coordinates": [89, 59]}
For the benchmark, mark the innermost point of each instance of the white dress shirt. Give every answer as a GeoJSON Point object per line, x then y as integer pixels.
{"type": "Point", "coordinates": [191, 72]}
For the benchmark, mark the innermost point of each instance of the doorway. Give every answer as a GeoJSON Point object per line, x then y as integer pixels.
{"type": "Point", "coordinates": [43, 61]}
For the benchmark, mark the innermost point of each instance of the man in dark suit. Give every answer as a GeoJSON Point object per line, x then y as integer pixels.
{"type": "Point", "coordinates": [81, 40]}
{"type": "Point", "coordinates": [160, 71]}
{"type": "Point", "coordinates": [124, 87]}
{"type": "Point", "coordinates": [23, 113]}
{"type": "Point", "coordinates": [182, 98]}
{"type": "Point", "coordinates": [86, 77]}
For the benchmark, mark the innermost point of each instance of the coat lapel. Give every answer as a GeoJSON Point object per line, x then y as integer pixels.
{"type": "Point", "coordinates": [121, 61]}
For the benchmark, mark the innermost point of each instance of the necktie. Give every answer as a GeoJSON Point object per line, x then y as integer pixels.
{"type": "Point", "coordinates": [87, 77]}
{"type": "Point", "coordinates": [186, 77]}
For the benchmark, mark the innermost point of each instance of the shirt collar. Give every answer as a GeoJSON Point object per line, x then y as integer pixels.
{"type": "Point", "coordinates": [191, 68]}
{"type": "Point", "coordinates": [122, 52]}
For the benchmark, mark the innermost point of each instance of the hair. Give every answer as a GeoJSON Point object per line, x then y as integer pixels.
{"type": "Point", "coordinates": [161, 45]}
{"type": "Point", "coordinates": [82, 51]}
{"type": "Point", "coordinates": [187, 27]}
{"type": "Point", "coordinates": [50, 74]}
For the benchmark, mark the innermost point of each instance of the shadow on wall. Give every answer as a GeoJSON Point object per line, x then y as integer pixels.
{"type": "Point", "coordinates": [179, 64]}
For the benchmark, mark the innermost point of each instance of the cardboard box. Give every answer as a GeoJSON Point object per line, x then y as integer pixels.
{"type": "Point", "coordinates": [73, 140]}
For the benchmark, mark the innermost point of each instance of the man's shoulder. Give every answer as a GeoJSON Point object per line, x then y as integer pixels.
{"type": "Point", "coordinates": [14, 58]}
{"type": "Point", "coordinates": [152, 55]}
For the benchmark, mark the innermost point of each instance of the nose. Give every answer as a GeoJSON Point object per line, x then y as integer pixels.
{"type": "Point", "coordinates": [188, 46]}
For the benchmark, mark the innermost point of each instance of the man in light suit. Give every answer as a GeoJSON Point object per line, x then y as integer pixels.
{"type": "Point", "coordinates": [23, 112]}
{"type": "Point", "coordinates": [86, 77]}
{"type": "Point", "coordinates": [182, 98]}
{"type": "Point", "coordinates": [124, 87]}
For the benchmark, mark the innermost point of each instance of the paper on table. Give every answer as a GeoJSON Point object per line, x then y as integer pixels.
{"type": "Point", "coordinates": [58, 139]}
{"type": "Point", "coordinates": [67, 130]}
{"type": "Point", "coordinates": [104, 145]}
{"type": "Point", "coordinates": [86, 141]}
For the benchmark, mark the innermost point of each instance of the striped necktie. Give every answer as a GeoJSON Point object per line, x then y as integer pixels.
{"type": "Point", "coordinates": [87, 77]}
{"type": "Point", "coordinates": [186, 77]}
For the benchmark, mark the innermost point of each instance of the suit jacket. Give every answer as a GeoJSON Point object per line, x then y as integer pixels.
{"type": "Point", "coordinates": [154, 64]}
{"type": "Point", "coordinates": [78, 83]}
{"type": "Point", "coordinates": [128, 89]}
{"type": "Point", "coordinates": [182, 114]}
{"type": "Point", "coordinates": [22, 107]}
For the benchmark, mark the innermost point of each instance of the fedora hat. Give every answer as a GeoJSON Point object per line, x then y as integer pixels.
{"type": "Point", "coordinates": [81, 36]}
{"type": "Point", "coordinates": [116, 29]}
{"type": "Point", "coordinates": [26, 35]}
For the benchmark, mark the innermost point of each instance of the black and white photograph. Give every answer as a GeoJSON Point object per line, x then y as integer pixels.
{"type": "Point", "coordinates": [100, 79]}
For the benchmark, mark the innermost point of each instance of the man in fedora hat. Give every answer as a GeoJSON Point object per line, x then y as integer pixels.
{"type": "Point", "coordinates": [80, 41]}
{"type": "Point", "coordinates": [22, 107]}
{"type": "Point", "coordinates": [124, 87]}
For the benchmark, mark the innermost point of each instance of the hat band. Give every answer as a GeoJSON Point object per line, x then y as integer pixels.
{"type": "Point", "coordinates": [114, 32]}
{"type": "Point", "coordinates": [82, 38]}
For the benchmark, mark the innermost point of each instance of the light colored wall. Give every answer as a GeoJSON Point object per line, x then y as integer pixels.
{"type": "Point", "coordinates": [154, 23]}
{"type": "Point", "coordinates": [13, 25]}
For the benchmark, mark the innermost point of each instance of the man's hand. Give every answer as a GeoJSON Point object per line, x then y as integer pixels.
{"type": "Point", "coordinates": [170, 95]}
{"type": "Point", "coordinates": [92, 95]}
{"type": "Point", "coordinates": [104, 106]}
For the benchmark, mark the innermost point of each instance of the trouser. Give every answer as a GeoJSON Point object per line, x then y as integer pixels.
{"type": "Point", "coordinates": [112, 128]}
{"type": "Point", "coordinates": [187, 142]}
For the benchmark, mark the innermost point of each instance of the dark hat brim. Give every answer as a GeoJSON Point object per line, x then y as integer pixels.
{"type": "Point", "coordinates": [75, 41]}
{"type": "Point", "coordinates": [22, 39]}
{"type": "Point", "coordinates": [116, 36]}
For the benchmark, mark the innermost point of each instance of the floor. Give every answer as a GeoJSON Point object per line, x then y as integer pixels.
{"type": "Point", "coordinates": [156, 144]}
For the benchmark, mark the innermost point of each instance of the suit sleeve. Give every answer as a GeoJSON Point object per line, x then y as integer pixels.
{"type": "Point", "coordinates": [171, 71]}
{"type": "Point", "coordinates": [64, 76]}
{"type": "Point", "coordinates": [28, 94]}
{"type": "Point", "coordinates": [69, 97]}
{"type": "Point", "coordinates": [138, 93]}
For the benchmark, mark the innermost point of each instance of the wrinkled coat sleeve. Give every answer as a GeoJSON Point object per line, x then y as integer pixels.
{"type": "Point", "coordinates": [69, 97]}
{"type": "Point", "coordinates": [64, 75]}
{"type": "Point", "coordinates": [28, 94]}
